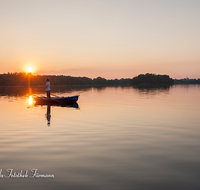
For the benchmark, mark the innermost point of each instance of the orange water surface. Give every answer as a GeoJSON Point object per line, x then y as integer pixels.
{"type": "Point", "coordinates": [116, 138]}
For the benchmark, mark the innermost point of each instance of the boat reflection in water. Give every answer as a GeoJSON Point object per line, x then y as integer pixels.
{"type": "Point", "coordinates": [48, 113]}
{"type": "Point", "coordinates": [33, 103]}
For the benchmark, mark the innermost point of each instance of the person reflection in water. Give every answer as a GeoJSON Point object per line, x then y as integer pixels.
{"type": "Point", "coordinates": [47, 87]}
{"type": "Point", "coordinates": [48, 115]}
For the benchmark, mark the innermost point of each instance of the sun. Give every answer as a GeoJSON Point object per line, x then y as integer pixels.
{"type": "Point", "coordinates": [29, 69]}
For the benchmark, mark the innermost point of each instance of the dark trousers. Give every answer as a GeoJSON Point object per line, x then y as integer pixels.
{"type": "Point", "coordinates": [48, 94]}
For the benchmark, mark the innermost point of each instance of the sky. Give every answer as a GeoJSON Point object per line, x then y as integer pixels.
{"type": "Point", "coordinates": [107, 38]}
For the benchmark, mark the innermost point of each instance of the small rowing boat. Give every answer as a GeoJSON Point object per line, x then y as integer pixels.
{"type": "Point", "coordinates": [56, 100]}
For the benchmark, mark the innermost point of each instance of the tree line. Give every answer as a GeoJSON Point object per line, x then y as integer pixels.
{"type": "Point", "coordinates": [187, 81]}
{"type": "Point", "coordinates": [21, 79]}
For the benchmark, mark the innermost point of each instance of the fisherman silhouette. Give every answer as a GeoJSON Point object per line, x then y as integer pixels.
{"type": "Point", "coordinates": [47, 87]}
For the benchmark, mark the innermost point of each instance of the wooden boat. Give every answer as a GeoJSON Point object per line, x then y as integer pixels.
{"type": "Point", "coordinates": [56, 100]}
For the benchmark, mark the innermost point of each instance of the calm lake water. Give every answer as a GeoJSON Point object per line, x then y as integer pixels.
{"type": "Point", "coordinates": [115, 139]}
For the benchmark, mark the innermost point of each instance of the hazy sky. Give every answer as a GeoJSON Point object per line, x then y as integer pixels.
{"type": "Point", "coordinates": [107, 38]}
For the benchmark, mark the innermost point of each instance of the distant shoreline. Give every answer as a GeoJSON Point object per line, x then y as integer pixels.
{"type": "Point", "coordinates": [142, 80]}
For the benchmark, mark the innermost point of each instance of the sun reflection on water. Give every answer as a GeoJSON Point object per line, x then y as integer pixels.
{"type": "Point", "coordinates": [30, 100]}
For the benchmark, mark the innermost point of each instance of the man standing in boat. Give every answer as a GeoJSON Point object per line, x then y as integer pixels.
{"type": "Point", "coordinates": [47, 87]}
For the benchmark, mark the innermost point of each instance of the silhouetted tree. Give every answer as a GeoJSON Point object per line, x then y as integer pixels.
{"type": "Point", "coordinates": [152, 80]}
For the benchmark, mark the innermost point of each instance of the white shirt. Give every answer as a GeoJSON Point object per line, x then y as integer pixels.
{"type": "Point", "coordinates": [47, 86]}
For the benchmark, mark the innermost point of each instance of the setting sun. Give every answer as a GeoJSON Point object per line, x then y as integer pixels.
{"type": "Point", "coordinates": [29, 69]}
